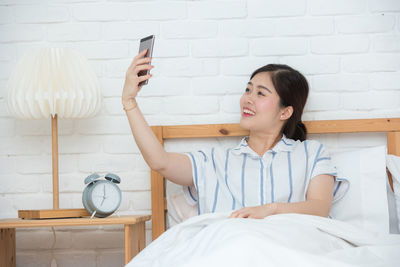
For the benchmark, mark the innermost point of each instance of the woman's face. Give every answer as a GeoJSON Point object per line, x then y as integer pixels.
{"type": "Point", "coordinates": [260, 105]}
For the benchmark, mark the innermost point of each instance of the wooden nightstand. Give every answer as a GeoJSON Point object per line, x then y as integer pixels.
{"type": "Point", "coordinates": [135, 238]}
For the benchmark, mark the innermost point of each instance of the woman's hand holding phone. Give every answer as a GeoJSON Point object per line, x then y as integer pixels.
{"type": "Point", "coordinates": [132, 78]}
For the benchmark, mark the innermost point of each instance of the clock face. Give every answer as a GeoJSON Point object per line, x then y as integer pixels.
{"type": "Point", "coordinates": [105, 197]}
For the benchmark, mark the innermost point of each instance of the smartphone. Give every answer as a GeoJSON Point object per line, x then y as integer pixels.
{"type": "Point", "coordinates": [146, 43]}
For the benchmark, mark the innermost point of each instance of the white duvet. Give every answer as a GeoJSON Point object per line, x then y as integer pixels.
{"type": "Point", "coordinates": [278, 240]}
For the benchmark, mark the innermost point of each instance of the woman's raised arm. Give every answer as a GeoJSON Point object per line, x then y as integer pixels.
{"type": "Point", "coordinates": [174, 166]}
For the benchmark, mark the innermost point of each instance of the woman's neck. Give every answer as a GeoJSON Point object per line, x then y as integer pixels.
{"type": "Point", "coordinates": [261, 143]}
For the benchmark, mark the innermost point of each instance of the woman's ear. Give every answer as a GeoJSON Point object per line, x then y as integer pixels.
{"type": "Point", "coordinates": [286, 113]}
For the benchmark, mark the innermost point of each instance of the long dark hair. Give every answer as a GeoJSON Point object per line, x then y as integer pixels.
{"type": "Point", "coordinates": [292, 88]}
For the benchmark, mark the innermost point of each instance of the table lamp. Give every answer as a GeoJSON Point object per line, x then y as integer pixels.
{"type": "Point", "coordinates": [52, 83]}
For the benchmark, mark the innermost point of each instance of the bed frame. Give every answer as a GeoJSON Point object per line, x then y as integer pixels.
{"type": "Point", "coordinates": [158, 194]}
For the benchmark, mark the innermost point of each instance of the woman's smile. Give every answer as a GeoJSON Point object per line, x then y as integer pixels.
{"type": "Point", "coordinates": [247, 112]}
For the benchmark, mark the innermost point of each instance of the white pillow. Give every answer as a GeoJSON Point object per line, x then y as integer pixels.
{"type": "Point", "coordinates": [393, 220]}
{"type": "Point", "coordinates": [393, 164]}
{"type": "Point", "coordinates": [365, 204]}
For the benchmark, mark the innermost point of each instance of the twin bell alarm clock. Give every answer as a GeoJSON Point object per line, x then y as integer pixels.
{"type": "Point", "coordinates": [102, 196]}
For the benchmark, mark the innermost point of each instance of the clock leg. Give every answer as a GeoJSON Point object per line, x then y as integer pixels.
{"type": "Point", "coordinates": [135, 239]}
{"type": "Point", "coordinates": [7, 247]}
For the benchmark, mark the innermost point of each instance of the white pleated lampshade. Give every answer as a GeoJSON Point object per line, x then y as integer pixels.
{"type": "Point", "coordinates": [50, 81]}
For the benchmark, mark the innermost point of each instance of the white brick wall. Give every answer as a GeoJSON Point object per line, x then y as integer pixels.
{"type": "Point", "coordinates": [204, 52]}
{"type": "Point", "coordinates": [128, 30]}
{"type": "Point", "coordinates": [338, 7]}
{"type": "Point", "coordinates": [99, 12]}
{"type": "Point", "coordinates": [67, 32]}
{"type": "Point", "coordinates": [189, 29]}
{"type": "Point", "coordinates": [41, 14]}
{"type": "Point", "coordinates": [279, 46]}
{"type": "Point", "coordinates": [271, 8]}
{"type": "Point", "coordinates": [340, 45]}
{"type": "Point", "coordinates": [232, 47]}
{"type": "Point", "coordinates": [365, 23]}
{"type": "Point", "coordinates": [305, 26]}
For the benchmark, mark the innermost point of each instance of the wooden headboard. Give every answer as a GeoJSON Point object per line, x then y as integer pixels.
{"type": "Point", "coordinates": [158, 194]}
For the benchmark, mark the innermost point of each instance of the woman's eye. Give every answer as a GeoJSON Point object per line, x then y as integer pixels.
{"type": "Point", "coordinates": [247, 90]}
{"type": "Point", "coordinates": [260, 93]}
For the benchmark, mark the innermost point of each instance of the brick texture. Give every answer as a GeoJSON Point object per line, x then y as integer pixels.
{"type": "Point", "coordinates": [204, 53]}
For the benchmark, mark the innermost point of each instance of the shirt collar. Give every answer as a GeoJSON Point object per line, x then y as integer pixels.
{"type": "Point", "coordinates": [285, 144]}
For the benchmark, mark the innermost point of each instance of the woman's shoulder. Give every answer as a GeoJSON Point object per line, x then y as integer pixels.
{"type": "Point", "coordinates": [207, 153]}
{"type": "Point", "coordinates": [312, 142]}
{"type": "Point", "coordinates": [314, 146]}
{"type": "Point", "coordinates": [222, 151]}
{"type": "Point", "coordinates": [308, 144]}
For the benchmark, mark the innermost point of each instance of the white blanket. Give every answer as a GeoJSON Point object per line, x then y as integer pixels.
{"type": "Point", "coordinates": [279, 240]}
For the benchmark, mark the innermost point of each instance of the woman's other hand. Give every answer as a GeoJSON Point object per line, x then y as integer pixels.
{"type": "Point", "coordinates": [132, 80]}
{"type": "Point", "coordinates": [257, 212]}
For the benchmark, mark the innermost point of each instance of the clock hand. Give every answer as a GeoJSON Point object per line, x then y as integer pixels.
{"type": "Point", "coordinates": [104, 195]}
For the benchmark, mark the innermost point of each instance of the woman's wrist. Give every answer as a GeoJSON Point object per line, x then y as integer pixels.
{"type": "Point", "coordinates": [273, 208]}
{"type": "Point", "coordinates": [129, 104]}
{"type": "Point", "coordinates": [128, 100]}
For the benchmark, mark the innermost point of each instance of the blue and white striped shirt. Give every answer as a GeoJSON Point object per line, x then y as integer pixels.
{"type": "Point", "coordinates": [230, 179]}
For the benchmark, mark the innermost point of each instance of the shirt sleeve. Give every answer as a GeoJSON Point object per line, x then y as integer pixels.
{"type": "Point", "coordinates": [322, 164]}
{"type": "Point", "coordinates": [199, 160]}
{"type": "Point", "coordinates": [190, 194]}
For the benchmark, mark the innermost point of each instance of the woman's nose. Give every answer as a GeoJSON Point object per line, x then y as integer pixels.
{"type": "Point", "coordinates": [249, 99]}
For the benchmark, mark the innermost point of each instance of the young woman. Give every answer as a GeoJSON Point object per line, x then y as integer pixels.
{"type": "Point", "coordinates": [273, 170]}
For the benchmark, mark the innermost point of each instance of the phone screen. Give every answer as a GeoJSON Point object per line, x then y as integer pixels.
{"type": "Point", "coordinates": [146, 43]}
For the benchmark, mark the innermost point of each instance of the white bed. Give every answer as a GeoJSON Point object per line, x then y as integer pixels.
{"type": "Point", "coordinates": [361, 232]}
{"type": "Point", "coordinates": [279, 240]}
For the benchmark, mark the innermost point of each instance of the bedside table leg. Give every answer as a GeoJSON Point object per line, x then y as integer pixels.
{"type": "Point", "coordinates": [135, 240]}
{"type": "Point", "coordinates": [7, 247]}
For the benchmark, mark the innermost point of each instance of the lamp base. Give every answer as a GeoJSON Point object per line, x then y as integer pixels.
{"type": "Point", "coordinates": [52, 214]}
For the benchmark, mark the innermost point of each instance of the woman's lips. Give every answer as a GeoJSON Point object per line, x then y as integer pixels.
{"type": "Point", "coordinates": [248, 112]}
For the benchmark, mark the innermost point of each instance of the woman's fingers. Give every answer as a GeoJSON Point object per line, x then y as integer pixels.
{"type": "Point", "coordinates": [144, 77]}
{"type": "Point", "coordinates": [244, 215]}
{"type": "Point", "coordinates": [138, 57]}
{"type": "Point", "coordinates": [141, 64]}
{"type": "Point", "coordinates": [143, 67]}
{"type": "Point", "coordinates": [144, 60]}
{"type": "Point", "coordinates": [237, 213]}
{"type": "Point", "coordinates": [141, 54]}
{"type": "Point", "coordinates": [132, 81]}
